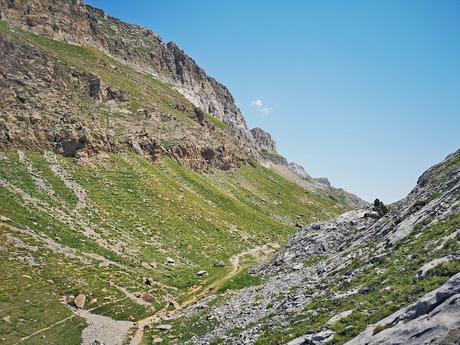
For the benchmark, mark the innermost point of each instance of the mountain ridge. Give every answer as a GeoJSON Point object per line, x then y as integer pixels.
{"type": "Point", "coordinates": [139, 48]}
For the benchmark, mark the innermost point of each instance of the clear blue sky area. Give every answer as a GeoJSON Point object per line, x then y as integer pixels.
{"type": "Point", "coordinates": [366, 93]}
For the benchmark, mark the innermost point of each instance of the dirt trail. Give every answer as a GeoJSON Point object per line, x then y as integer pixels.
{"type": "Point", "coordinates": [199, 293]}
{"type": "Point", "coordinates": [76, 313]}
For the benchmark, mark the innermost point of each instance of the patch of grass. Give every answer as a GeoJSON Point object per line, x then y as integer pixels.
{"type": "Point", "coordinates": [242, 280]}
{"type": "Point", "coordinates": [62, 192]}
{"type": "Point", "coordinates": [217, 123]}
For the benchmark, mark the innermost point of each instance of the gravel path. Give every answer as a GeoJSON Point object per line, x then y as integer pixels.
{"type": "Point", "coordinates": [103, 328]}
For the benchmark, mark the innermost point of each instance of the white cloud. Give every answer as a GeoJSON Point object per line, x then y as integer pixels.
{"type": "Point", "coordinates": [264, 110]}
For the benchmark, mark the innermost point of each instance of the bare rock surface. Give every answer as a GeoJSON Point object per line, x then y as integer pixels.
{"type": "Point", "coordinates": [430, 320]}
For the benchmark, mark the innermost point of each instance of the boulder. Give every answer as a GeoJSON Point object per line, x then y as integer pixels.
{"type": "Point", "coordinates": [164, 327]}
{"type": "Point", "coordinates": [146, 297]}
{"type": "Point", "coordinates": [169, 261]}
{"type": "Point", "coordinates": [79, 301]}
{"type": "Point", "coordinates": [202, 274]}
{"type": "Point", "coordinates": [314, 339]}
{"type": "Point", "coordinates": [219, 264]}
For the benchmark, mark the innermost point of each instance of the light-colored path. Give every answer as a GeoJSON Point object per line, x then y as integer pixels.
{"type": "Point", "coordinates": [199, 293]}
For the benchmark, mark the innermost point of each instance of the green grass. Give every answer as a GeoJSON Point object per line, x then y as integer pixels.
{"type": "Point", "coordinates": [217, 123]}
{"type": "Point", "coordinates": [154, 211]}
{"type": "Point", "coordinates": [242, 280]}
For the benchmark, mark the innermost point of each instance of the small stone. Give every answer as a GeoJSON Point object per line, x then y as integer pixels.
{"type": "Point", "coordinates": [219, 264]}
{"type": "Point", "coordinates": [7, 319]}
{"type": "Point", "coordinates": [4, 219]}
{"type": "Point", "coordinates": [93, 301]}
{"type": "Point", "coordinates": [170, 261]}
{"type": "Point", "coordinates": [157, 340]}
{"type": "Point", "coordinates": [298, 266]}
{"type": "Point", "coordinates": [202, 274]}
{"type": "Point", "coordinates": [79, 301]}
{"type": "Point", "coordinates": [148, 281]}
{"type": "Point", "coordinates": [164, 327]}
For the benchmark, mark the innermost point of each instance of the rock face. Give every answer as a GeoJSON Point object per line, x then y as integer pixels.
{"type": "Point", "coordinates": [263, 139]}
{"type": "Point", "coordinates": [334, 271]}
{"type": "Point", "coordinates": [299, 170]}
{"type": "Point", "coordinates": [433, 319]}
{"type": "Point", "coordinates": [74, 22]}
{"type": "Point", "coordinates": [146, 146]}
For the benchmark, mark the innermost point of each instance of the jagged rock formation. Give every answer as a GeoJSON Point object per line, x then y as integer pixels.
{"type": "Point", "coordinates": [53, 98]}
{"type": "Point", "coordinates": [263, 139]}
{"type": "Point", "coordinates": [335, 278]}
{"type": "Point", "coordinates": [299, 170]}
{"type": "Point", "coordinates": [74, 22]}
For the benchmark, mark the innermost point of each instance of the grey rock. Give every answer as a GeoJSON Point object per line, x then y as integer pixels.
{"type": "Point", "coordinates": [164, 327]}
{"type": "Point", "coordinates": [314, 339]}
{"type": "Point", "coordinates": [263, 139]}
{"type": "Point", "coordinates": [169, 261]}
{"type": "Point", "coordinates": [430, 320]}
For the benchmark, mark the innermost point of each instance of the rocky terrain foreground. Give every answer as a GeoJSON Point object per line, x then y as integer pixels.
{"type": "Point", "coordinates": [137, 207]}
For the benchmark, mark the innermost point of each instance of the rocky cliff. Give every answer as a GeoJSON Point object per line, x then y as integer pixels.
{"type": "Point", "coordinates": [366, 277]}
{"type": "Point", "coordinates": [263, 139]}
{"type": "Point", "coordinates": [74, 22]}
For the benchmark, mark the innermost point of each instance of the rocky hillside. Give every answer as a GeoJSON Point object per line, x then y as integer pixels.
{"type": "Point", "coordinates": [73, 22]}
{"type": "Point", "coordinates": [82, 83]}
{"type": "Point", "coordinates": [370, 276]}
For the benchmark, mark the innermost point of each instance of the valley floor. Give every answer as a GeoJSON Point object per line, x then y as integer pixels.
{"type": "Point", "coordinates": [131, 237]}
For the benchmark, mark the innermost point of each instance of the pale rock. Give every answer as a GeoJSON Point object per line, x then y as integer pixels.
{"type": "Point", "coordinates": [79, 301]}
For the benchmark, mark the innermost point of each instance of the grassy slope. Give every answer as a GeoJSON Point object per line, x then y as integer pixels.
{"type": "Point", "coordinates": [154, 211]}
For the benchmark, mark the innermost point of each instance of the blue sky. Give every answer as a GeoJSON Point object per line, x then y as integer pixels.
{"type": "Point", "coordinates": [366, 93]}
